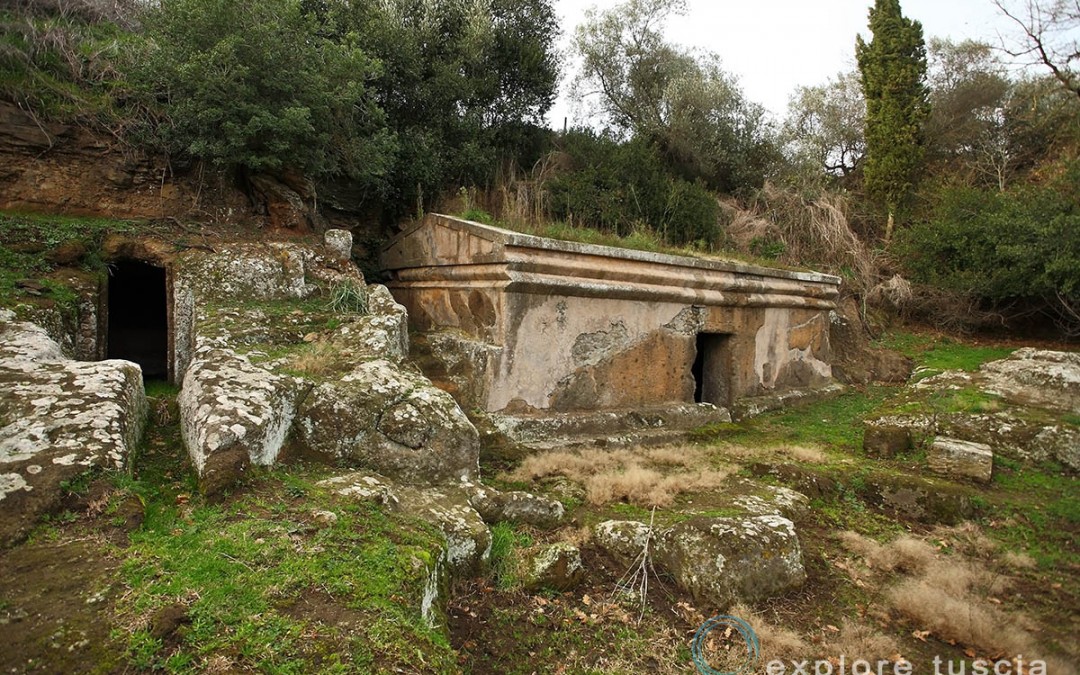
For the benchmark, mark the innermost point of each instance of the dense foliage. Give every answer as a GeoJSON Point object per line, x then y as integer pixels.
{"type": "Point", "coordinates": [1016, 250]}
{"type": "Point", "coordinates": [622, 187]}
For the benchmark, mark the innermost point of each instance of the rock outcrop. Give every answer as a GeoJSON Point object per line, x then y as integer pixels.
{"type": "Point", "coordinates": [1023, 407]}
{"type": "Point", "coordinates": [460, 512]}
{"type": "Point", "coordinates": [961, 459]}
{"type": "Point", "coordinates": [58, 419]}
{"type": "Point", "coordinates": [291, 352]}
{"type": "Point", "coordinates": [727, 560]}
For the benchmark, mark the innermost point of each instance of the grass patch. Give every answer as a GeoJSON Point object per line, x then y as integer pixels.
{"type": "Point", "coordinates": [934, 354]}
{"type": "Point", "coordinates": [644, 476]}
{"type": "Point", "coordinates": [641, 239]}
{"type": "Point", "coordinates": [506, 542]}
{"type": "Point", "coordinates": [52, 230]}
{"type": "Point", "coordinates": [835, 423]}
{"type": "Point", "coordinates": [265, 585]}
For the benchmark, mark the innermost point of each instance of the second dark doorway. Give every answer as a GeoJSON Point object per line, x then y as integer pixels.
{"type": "Point", "coordinates": [712, 369]}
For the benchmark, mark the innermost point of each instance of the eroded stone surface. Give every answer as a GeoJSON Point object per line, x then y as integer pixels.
{"type": "Point", "coordinates": [728, 560]}
{"type": "Point", "coordinates": [265, 367]}
{"type": "Point", "coordinates": [961, 459]}
{"type": "Point", "coordinates": [1032, 394]}
{"type": "Point", "coordinates": [58, 418]}
{"type": "Point", "coordinates": [884, 440]}
{"type": "Point", "coordinates": [233, 413]}
{"type": "Point", "coordinates": [390, 421]}
{"type": "Point", "coordinates": [556, 566]}
{"type": "Point", "coordinates": [468, 539]}
{"type": "Point", "coordinates": [339, 244]}
{"type": "Point", "coordinates": [516, 506]}
{"type": "Point", "coordinates": [624, 540]}
{"type": "Point", "coordinates": [1046, 379]}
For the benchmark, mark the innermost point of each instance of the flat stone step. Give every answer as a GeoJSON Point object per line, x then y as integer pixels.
{"type": "Point", "coordinates": [621, 428]}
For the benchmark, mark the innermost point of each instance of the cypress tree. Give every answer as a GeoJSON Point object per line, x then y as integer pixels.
{"type": "Point", "coordinates": [892, 68]}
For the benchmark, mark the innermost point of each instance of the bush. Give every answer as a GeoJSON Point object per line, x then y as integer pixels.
{"type": "Point", "coordinates": [1017, 251]}
{"type": "Point", "coordinates": [254, 84]}
{"type": "Point", "coordinates": [619, 187]}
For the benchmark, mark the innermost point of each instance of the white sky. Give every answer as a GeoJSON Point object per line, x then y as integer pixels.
{"type": "Point", "coordinates": [773, 46]}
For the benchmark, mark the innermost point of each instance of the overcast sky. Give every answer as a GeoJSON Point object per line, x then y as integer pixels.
{"type": "Point", "coordinates": [774, 46]}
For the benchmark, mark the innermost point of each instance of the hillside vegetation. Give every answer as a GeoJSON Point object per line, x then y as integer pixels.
{"type": "Point", "coordinates": [965, 214]}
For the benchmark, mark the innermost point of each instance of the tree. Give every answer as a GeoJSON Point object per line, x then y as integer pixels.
{"type": "Point", "coordinates": [249, 84]}
{"type": "Point", "coordinates": [825, 123]}
{"type": "Point", "coordinates": [892, 67]}
{"type": "Point", "coordinates": [681, 103]}
{"type": "Point", "coordinates": [1050, 37]}
{"type": "Point", "coordinates": [967, 132]}
{"type": "Point", "coordinates": [463, 84]}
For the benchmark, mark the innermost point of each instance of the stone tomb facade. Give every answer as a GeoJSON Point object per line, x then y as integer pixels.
{"type": "Point", "coordinates": [533, 325]}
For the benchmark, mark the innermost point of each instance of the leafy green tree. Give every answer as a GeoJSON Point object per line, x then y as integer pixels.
{"type": "Point", "coordinates": [682, 104]}
{"type": "Point", "coordinates": [824, 126]}
{"type": "Point", "coordinates": [251, 84]}
{"type": "Point", "coordinates": [464, 85]}
{"type": "Point", "coordinates": [892, 67]}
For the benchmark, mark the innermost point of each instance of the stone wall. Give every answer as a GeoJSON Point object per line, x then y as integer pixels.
{"type": "Point", "coordinates": [574, 327]}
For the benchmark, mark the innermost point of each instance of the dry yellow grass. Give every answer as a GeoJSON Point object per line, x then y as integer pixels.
{"type": "Point", "coordinates": [798, 453]}
{"type": "Point", "coordinates": [953, 593]}
{"type": "Point", "coordinates": [649, 477]}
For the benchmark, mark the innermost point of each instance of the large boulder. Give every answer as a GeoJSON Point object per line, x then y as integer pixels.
{"type": "Point", "coordinates": [722, 561]}
{"type": "Point", "coordinates": [58, 419]}
{"type": "Point", "coordinates": [233, 414]}
{"type": "Point", "coordinates": [391, 421]}
{"type": "Point", "coordinates": [1036, 377]}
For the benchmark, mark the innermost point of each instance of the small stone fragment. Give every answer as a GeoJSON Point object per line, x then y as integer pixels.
{"type": "Point", "coordinates": [961, 459]}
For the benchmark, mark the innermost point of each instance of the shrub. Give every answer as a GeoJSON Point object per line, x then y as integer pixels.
{"type": "Point", "coordinates": [254, 84]}
{"type": "Point", "coordinates": [619, 186]}
{"type": "Point", "coordinates": [1017, 251]}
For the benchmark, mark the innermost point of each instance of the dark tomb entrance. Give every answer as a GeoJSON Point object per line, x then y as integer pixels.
{"type": "Point", "coordinates": [712, 369]}
{"type": "Point", "coordinates": [138, 317]}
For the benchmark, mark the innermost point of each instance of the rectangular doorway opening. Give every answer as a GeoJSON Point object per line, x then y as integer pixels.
{"type": "Point", "coordinates": [138, 328]}
{"type": "Point", "coordinates": [712, 369]}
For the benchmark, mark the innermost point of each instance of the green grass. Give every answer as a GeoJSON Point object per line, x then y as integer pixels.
{"type": "Point", "coordinates": [934, 354]}
{"type": "Point", "coordinates": [835, 423]}
{"type": "Point", "coordinates": [506, 541]}
{"type": "Point", "coordinates": [63, 67]}
{"type": "Point", "coordinates": [641, 239]}
{"type": "Point", "coordinates": [53, 230]}
{"type": "Point", "coordinates": [267, 587]}
{"type": "Point", "coordinates": [26, 240]}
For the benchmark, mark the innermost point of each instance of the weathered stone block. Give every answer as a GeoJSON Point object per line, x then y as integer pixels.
{"type": "Point", "coordinates": [624, 540]}
{"type": "Point", "coordinates": [557, 566]}
{"type": "Point", "coordinates": [885, 440]}
{"type": "Point", "coordinates": [727, 560]}
{"type": "Point", "coordinates": [516, 506]}
{"type": "Point", "coordinates": [339, 244]}
{"type": "Point", "coordinates": [961, 459]}
{"type": "Point", "coordinates": [390, 421]}
{"type": "Point", "coordinates": [58, 419]}
{"type": "Point", "coordinates": [233, 413]}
